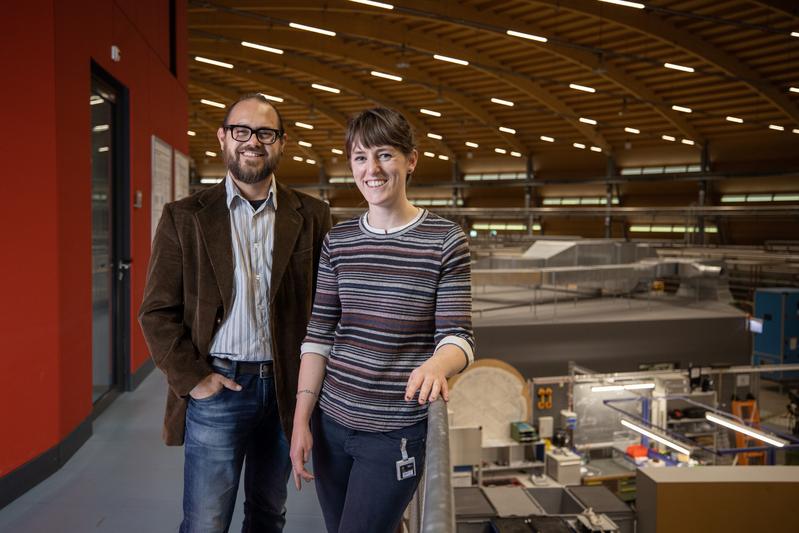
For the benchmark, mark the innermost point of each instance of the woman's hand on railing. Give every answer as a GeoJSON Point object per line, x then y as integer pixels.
{"type": "Point", "coordinates": [301, 444]}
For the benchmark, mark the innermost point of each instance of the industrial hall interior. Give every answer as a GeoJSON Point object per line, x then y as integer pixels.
{"type": "Point", "coordinates": [623, 177]}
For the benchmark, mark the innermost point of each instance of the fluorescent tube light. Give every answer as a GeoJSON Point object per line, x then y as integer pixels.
{"type": "Point", "coordinates": [678, 67]}
{"type": "Point", "coordinates": [443, 157]}
{"type": "Point", "coordinates": [655, 436]}
{"type": "Point", "coordinates": [303, 125]}
{"type": "Point", "coordinates": [320, 87]}
{"type": "Point", "coordinates": [503, 129]}
{"type": "Point", "coordinates": [373, 4]}
{"type": "Point", "coordinates": [528, 36]}
{"type": "Point", "coordinates": [581, 146]}
{"type": "Point", "coordinates": [596, 149]}
{"type": "Point", "coordinates": [689, 142]}
{"type": "Point", "coordinates": [450, 60]}
{"type": "Point", "coordinates": [312, 29]}
{"type": "Point", "coordinates": [210, 153]}
{"type": "Point", "coordinates": [210, 181]}
{"type": "Point", "coordinates": [632, 130]}
{"type": "Point", "coordinates": [639, 386]}
{"type": "Point", "coordinates": [516, 154]}
{"type": "Point", "coordinates": [500, 101]}
{"type": "Point", "coordinates": [548, 139]}
{"type": "Point", "coordinates": [746, 430]}
{"type": "Point", "coordinates": [668, 138]}
{"type": "Point", "coordinates": [212, 103]}
{"type": "Point", "coordinates": [101, 127]}
{"type": "Point", "coordinates": [103, 149]}
{"type": "Point", "coordinates": [298, 159]}
{"type": "Point", "coordinates": [607, 388]}
{"type": "Point", "coordinates": [736, 120]}
{"type": "Point", "coordinates": [310, 161]}
{"type": "Point", "coordinates": [775, 127]}
{"type": "Point", "coordinates": [625, 3]}
{"type": "Point", "coordinates": [305, 144]}
{"type": "Point", "coordinates": [435, 136]}
{"type": "Point", "coordinates": [386, 76]}
{"type": "Point", "coordinates": [429, 112]}
{"type": "Point", "coordinates": [212, 62]}
{"type": "Point", "coordinates": [682, 109]}
{"type": "Point", "coordinates": [262, 47]}
{"type": "Point", "coordinates": [471, 144]}
{"type": "Point", "coordinates": [500, 150]}
{"type": "Point", "coordinates": [792, 89]}
{"type": "Point", "coordinates": [429, 154]}
{"type": "Point", "coordinates": [588, 121]}
{"type": "Point", "coordinates": [583, 88]}
{"type": "Point", "coordinates": [272, 98]}
{"type": "Point", "coordinates": [337, 151]}
{"type": "Point", "coordinates": [795, 34]}
{"type": "Point", "coordinates": [796, 130]}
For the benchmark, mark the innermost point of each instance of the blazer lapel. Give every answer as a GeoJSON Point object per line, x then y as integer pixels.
{"type": "Point", "coordinates": [288, 224]}
{"type": "Point", "coordinates": [214, 223]}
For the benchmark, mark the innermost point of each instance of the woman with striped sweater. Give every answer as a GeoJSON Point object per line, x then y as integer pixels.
{"type": "Point", "coordinates": [391, 322]}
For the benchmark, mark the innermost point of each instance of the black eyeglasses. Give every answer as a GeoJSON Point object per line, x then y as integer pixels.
{"type": "Point", "coordinates": [242, 134]}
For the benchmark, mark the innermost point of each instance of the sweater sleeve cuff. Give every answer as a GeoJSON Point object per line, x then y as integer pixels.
{"type": "Point", "coordinates": [315, 347]}
{"type": "Point", "coordinates": [461, 343]}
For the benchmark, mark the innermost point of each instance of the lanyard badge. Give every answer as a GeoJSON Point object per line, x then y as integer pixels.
{"type": "Point", "coordinates": [406, 467]}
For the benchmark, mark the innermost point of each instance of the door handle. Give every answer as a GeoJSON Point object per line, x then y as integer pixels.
{"type": "Point", "coordinates": [122, 266]}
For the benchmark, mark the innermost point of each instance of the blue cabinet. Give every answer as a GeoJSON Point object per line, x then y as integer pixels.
{"type": "Point", "coordinates": [779, 341]}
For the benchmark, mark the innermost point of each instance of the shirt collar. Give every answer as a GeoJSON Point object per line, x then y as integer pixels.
{"type": "Point", "coordinates": [232, 191]}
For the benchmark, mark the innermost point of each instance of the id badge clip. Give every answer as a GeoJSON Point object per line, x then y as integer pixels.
{"type": "Point", "coordinates": [406, 467]}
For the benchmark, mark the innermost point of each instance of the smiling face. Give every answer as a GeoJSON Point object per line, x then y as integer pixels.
{"type": "Point", "coordinates": [381, 173]}
{"type": "Point", "coordinates": [251, 161]}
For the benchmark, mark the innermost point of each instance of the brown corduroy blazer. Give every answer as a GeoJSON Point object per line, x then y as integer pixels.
{"type": "Point", "coordinates": [189, 292]}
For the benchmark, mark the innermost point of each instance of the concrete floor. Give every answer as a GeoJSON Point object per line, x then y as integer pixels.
{"type": "Point", "coordinates": [124, 479]}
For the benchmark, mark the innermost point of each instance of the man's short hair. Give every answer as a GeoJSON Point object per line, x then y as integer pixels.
{"type": "Point", "coordinates": [254, 96]}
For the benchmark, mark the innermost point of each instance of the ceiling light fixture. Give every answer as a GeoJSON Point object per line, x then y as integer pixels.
{"type": "Point", "coordinates": [656, 436]}
{"type": "Point", "coordinates": [500, 150]}
{"type": "Point", "coordinates": [450, 60]}
{"type": "Point", "coordinates": [682, 109]}
{"type": "Point", "coordinates": [210, 153]}
{"type": "Point", "coordinates": [435, 136]}
{"type": "Point", "coordinates": [386, 76]}
{"type": "Point", "coordinates": [210, 181]}
{"type": "Point", "coordinates": [795, 34]}
{"type": "Point", "coordinates": [429, 154]}
{"type": "Point", "coordinates": [191, 133]}
{"type": "Point", "coordinates": [272, 98]}
{"type": "Point", "coordinates": [625, 3]}
{"type": "Point", "coordinates": [588, 121]}
{"type": "Point", "coordinates": [471, 144]}
{"type": "Point", "coordinates": [212, 103]}
{"type": "Point", "coordinates": [212, 62]}
{"type": "Point", "coordinates": [668, 138]}
{"type": "Point", "coordinates": [794, 89]}
{"type": "Point", "coordinates": [312, 29]}
{"type": "Point", "coordinates": [320, 87]}
{"type": "Point", "coordinates": [736, 120]}
{"type": "Point", "coordinates": [429, 112]}
{"type": "Point", "coordinates": [547, 139]}
{"type": "Point", "coordinates": [373, 4]}
{"type": "Point", "coordinates": [262, 47]}
{"type": "Point", "coordinates": [776, 127]}
{"type": "Point", "coordinates": [443, 157]}
{"type": "Point", "coordinates": [746, 430]}
{"type": "Point", "coordinates": [310, 161]}
{"type": "Point", "coordinates": [298, 159]}
{"type": "Point", "coordinates": [632, 130]}
{"type": "Point", "coordinates": [503, 129]}
{"type": "Point", "coordinates": [689, 142]}
{"type": "Point", "coordinates": [303, 125]}
{"type": "Point", "coordinates": [528, 36]}
{"type": "Point", "coordinates": [581, 146]}
{"type": "Point", "coordinates": [596, 149]}
{"type": "Point", "coordinates": [305, 144]}
{"type": "Point", "coordinates": [516, 154]}
{"type": "Point", "coordinates": [583, 88]}
{"type": "Point", "coordinates": [500, 101]}
{"type": "Point", "coordinates": [337, 151]}
{"type": "Point", "coordinates": [678, 67]}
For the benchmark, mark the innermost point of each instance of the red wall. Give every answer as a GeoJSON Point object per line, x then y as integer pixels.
{"type": "Point", "coordinates": [47, 49]}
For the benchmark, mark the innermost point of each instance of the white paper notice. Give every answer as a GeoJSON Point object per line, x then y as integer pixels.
{"type": "Point", "coordinates": [162, 181]}
{"type": "Point", "coordinates": [181, 175]}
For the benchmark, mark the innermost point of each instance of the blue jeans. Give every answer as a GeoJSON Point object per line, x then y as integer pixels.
{"type": "Point", "coordinates": [221, 431]}
{"type": "Point", "coordinates": [356, 475]}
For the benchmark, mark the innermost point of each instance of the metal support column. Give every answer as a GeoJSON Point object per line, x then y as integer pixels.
{"type": "Point", "coordinates": [610, 172]}
{"type": "Point", "coordinates": [528, 193]}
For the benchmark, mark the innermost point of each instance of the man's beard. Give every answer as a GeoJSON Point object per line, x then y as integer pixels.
{"type": "Point", "coordinates": [251, 174]}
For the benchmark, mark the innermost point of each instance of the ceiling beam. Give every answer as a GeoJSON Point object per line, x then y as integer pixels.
{"type": "Point", "coordinates": [313, 68]}
{"type": "Point", "coordinates": [287, 39]}
{"type": "Point", "coordinates": [421, 42]}
{"type": "Point", "coordinates": [785, 7]}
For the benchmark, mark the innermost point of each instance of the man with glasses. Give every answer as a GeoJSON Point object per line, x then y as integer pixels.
{"type": "Point", "coordinates": [228, 296]}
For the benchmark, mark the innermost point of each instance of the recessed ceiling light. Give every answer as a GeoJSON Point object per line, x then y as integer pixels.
{"type": "Point", "coordinates": [435, 136]}
{"type": "Point", "coordinates": [516, 154]}
{"type": "Point", "coordinates": [500, 150]}
{"type": "Point", "coordinates": [681, 109]}
{"type": "Point", "coordinates": [443, 157]}
{"type": "Point", "coordinates": [583, 88]}
{"type": "Point", "coordinates": [500, 101]}
{"type": "Point", "coordinates": [310, 161]}
{"type": "Point", "coordinates": [689, 142]}
{"type": "Point", "coordinates": [581, 146]}
{"type": "Point", "coordinates": [305, 144]}
{"type": "Point", "coordinates": [678, 67]}
{"type": "Point", "coordinates": [450, 59]}
{"type": "Point", "coordinates": [588, 121]}
{"type": "Point", "coordinates": [736, 120]}
{"type": "Point", "coordinates": [429, 154]}
{"type": "Point", "coordinates": [507, 130]}
{"type": "Point", "coordinates": [528, 36]}
{"type": "Point", "coordinates": [472, 145]}
{"type": "Point", "coordinates": [262, 47]}
{"type": "Point", "coordinates": [373, 4]}
{"type": "Point", "coordinates": [632, 130]}
{"type": "Point", "coordinates": [337, 151]}
{"type": "Point", "coordinates": [386, 76]}
{"type": "Point", "coordinates": [212, 62]}
{"type": "Point", "coordinates": [298, 159]}
{"type": "Point", "coordinates": [210, 153]}
{"type": "Point", "coordinates": [430, 112]}
{"type": "Point", "coordinates": [776, 127]}
{"type": "Point", "coordinates": [212, 103]}
{"type": "Point", "coordinates": [596, 149]}
{"type": "Point", "coordinates": [191, 133]}
{"type": "Point", "coordinates": [548, 139]}
{"type": "Point", "coordinates": [303, 125]}
{"type": "Point", "coordinates": [312, 29]}
{"type": "Point", "coordinates": [668, 138]}
{"type": "Point", "coordinates": [320, 87]}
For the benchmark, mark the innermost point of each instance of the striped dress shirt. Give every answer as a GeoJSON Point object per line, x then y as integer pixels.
{"type": "Point", "coordinates": [245, 333]}
{"type": "Point", "coordinates": [385, 301]}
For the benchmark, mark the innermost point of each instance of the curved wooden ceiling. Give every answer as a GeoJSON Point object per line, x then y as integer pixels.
{"type": "Point", "coordinates": [743, 57]}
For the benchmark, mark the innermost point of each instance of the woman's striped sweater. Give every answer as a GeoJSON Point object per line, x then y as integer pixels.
{"type": "Point", "coordinates": [384, 303]}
